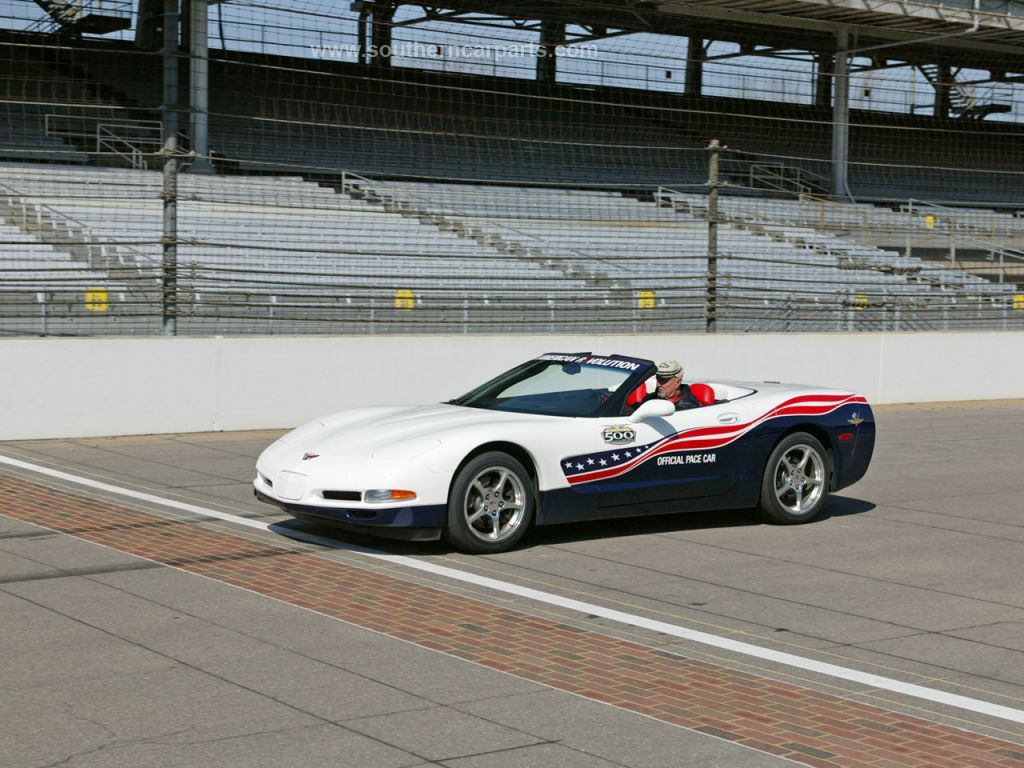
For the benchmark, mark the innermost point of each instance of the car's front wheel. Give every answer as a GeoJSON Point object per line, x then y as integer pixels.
{"type": "Point", "coordinates": [490, 506]}
{"type": "Point", "coordinates": [796, 480]}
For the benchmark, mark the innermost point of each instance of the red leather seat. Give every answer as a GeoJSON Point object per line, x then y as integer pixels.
{"type": "Point", "coordinates": [705, 395]}
{"type": "Point", "coordinates": [637, 395]}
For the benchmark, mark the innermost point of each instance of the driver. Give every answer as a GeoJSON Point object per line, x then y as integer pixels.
{"type": "Point", "coordinates": [669, 386]}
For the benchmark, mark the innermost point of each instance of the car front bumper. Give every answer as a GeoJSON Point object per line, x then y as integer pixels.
{"type": "Point", "coordinates": [412, 523]}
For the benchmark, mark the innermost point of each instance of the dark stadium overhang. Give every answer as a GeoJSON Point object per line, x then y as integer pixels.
{"type": "Point", "coordinates": [912, 32]}
{"type": "Point", "coordinates": [922, 27]}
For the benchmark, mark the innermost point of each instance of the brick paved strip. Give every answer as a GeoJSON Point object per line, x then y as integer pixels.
{"type": "Point", "coordinates": [805, 726]}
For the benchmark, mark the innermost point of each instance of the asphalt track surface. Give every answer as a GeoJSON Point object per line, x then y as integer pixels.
{"type": "Point", "coordinates": [133, 633]}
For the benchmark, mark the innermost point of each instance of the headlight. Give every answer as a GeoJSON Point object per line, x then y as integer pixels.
{"type": "Point", "coordinates": [379, 495]}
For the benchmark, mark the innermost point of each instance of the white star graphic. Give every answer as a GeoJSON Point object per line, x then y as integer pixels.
{"type": "Point", "coordinates": [579, 466]}
{"type": "Point", "coordinates": [615, 457]}
{"type": "Point", "coordinates": [590, 461]}
{"type": "Point", "coordinates": [603, 462]}
{"type": "Point", "coordinates": [568, 465]}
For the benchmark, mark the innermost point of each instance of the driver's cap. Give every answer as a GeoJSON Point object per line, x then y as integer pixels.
{"type": "Point", "coordinates": [670, 368]}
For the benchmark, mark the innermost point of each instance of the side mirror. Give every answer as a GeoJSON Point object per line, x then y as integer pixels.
{"type": "Point", "coordinates": [652, 409]}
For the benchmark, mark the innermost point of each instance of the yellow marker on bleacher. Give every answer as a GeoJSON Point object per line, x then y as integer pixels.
{"type": "Point", "coordinates": [96, 300]}
{"type": "Point", "coordinates": [405, 300]}
{"type": "Point", "coordinates": [860, 302]}
{"type": "Point", "coordinates": [645, 300]}
{"type": "Point", "coordinates": [1018, 301]}
{"type": "Point", "coordinates": [929, 221]}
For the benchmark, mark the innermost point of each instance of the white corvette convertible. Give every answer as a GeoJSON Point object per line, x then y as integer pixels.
{"type": "Point", "coordinates": [569, 437]}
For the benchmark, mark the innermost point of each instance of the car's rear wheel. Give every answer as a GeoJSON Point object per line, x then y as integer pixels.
{"type": "Point", "coordinates": [490, 506]}
{"type": "Point", "coordinates": [796, 480]}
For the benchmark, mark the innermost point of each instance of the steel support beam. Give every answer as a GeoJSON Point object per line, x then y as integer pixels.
{"type": "Point", "coordinates": [823, 76]}
{"type": "Point", "coordinates": [552, 35]}
{"type": "Point", "coordinates": [942, 86]}
{"type": "Point", "coordinates": [199, 86]}
{"type": "Point", "coordinates": [696, 55]}
{"type": "Point", "coordinates": [380, 36]}
{"type": "Point", "coordinates": [364, 14]}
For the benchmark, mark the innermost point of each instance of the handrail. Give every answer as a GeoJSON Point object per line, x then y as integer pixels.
{"type": "Point", "coordinates": [829, 251]}
{"type": "Point", "coordinates": [953, 212]}
{"type": "Point", "coordinates": [801, 171]}
{"type": "Point", "coordinates": [110, 134]}
{"type": "Point", "coordinates": [777, 175]}
{"type": "Point", "coordinates": [956, 237]}
{"type": "Point", "coordinates": [832, 250]}
{"type": "Point", "coordinates": [90, 122]}
{"type": "Point", "coordinates": [414, 196]}
{"type": "Point", "coordinates": [105, 137]}
{"type": "Point", "coordinates": [824, 203]}
{"type": "Point", "coordinates": [766, 174]}
{"type": "Point", "coordinates": [140, 257]}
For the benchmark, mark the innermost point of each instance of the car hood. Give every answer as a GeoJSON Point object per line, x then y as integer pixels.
{"type": "Point", "coordinates": [395, 432]}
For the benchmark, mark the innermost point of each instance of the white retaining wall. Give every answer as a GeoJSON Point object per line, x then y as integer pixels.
{"type": "Point", "coordinates": [115, 386]}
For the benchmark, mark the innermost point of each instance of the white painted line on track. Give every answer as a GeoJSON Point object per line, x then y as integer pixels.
{"type": "Point", "coordinates": [704, 638]}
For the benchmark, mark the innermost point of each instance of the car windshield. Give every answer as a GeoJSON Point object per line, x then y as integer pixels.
{"type": "Point", "coordinates": [560, 385]}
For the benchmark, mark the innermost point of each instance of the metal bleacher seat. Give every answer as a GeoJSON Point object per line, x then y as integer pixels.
{"type": "Point", "coordinates": [231, 227]}
{"type": "Point", "coordinates": [640, 245]}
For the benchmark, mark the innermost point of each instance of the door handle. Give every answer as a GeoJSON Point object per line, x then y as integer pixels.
{"type": "Point", "coordinates": [729, 418]}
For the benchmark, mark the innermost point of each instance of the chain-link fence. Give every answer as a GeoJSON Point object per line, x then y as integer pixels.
{"type": "Point", "coordinates": [280, 174]}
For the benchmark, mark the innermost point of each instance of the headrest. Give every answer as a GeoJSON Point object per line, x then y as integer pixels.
{"type": "Point", "coordinates": [705, 395]}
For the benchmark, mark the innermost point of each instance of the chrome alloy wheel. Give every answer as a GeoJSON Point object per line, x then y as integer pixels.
{"type": "Point", "coordinates": [799, 479]}
{"type": "Point", "coordinates": [495, 504]}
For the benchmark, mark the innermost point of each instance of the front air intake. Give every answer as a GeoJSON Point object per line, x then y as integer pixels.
{"type": "Point", "coordinates": [343, 495]}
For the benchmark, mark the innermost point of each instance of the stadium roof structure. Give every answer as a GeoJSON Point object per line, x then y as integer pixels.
{"type": "Point", "coordinates": [913, 32]}
{"type": "Point", "coordinates": [976, 34]}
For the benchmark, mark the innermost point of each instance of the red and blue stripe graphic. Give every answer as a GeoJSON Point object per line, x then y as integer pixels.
{"type": "Point", "coordinates": [588, 468]}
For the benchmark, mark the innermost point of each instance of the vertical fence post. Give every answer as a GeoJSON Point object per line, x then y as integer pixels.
{"type": "Point", "coordinates": [41, 298]}
{"type": "Point", "coordinates": [711, 305]}
{"type": "Point", "coordinates": [170, 152]}
{"type": "Point", "coordinates": [908, 251]}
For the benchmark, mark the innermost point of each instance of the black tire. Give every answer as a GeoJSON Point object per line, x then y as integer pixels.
{"type": "Point", "coordinates": [491, 504]}
{"type": "Point", "coordinates": [796, 480]}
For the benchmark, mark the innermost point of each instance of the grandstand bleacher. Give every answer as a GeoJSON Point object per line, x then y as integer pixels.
{"type": "Point", "coordinates": [444, 246]}
{"type": "Point", "coordinates": [638, 244]}
{"type": "Point", "coordinates": [334, 116]}
{"type": "Point", "coordinates": [361, 198]}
